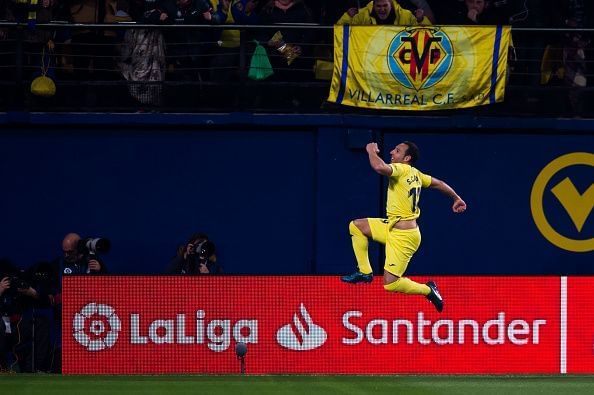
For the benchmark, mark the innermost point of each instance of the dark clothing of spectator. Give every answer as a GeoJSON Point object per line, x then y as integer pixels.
{"type": "Point", "coordinates": [290, 62]}
{"type": "Point", "coordinates": [93, 52]}
{"type": "Point", "coordinates": [485, 17]}
{"type": "Point", "coordinates": [297, 13]}
{"type": "Point", "coordinates": [334, 9]}
{"type": "Point", "coordinates": [575, 54]}
{"type": "Point", "coordinates": [501, 11]}
{"type": "Point", "coordinates": [188, 50]}
{"type": "Point", "coordinates": [447, 11]}
{"type": "Point", "coordinates": [34, 39]}
{"type": "Point", "coordinates": [243, 16]}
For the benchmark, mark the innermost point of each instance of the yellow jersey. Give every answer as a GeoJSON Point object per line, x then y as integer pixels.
{"type": "Point", "coordinates": [404, 192]}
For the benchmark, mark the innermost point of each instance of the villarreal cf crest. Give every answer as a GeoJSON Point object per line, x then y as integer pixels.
{"type": "Point", "coordinates": [418, 58]}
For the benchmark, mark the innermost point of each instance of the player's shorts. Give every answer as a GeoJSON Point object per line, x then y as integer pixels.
{"type": "Point", "coordinates": [401, 244]}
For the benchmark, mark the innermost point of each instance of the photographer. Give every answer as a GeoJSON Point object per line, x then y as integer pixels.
{"type": "Point", "coordinates": [26, 302]}
{"type": "Point", "coordinates": [196, 257]}
{"type": "Point", "coordinates": [80, 255]}
{"type": "Point", "coordinates": [6, 326]}
{"type": "Point", "coordinates": [80, 258]}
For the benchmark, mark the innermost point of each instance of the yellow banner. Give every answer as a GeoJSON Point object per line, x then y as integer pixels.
{"type": "Point", "coordinates": [419, 67]}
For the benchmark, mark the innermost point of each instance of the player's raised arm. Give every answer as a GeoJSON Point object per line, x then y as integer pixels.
{"type": "Point", "coordinates": [459, 205]}
{"type": "Point", "coordinates": [376, 162]}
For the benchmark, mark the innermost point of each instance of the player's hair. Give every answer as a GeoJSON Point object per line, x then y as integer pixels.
{"type": "Point", "coordinates": [412, 151]}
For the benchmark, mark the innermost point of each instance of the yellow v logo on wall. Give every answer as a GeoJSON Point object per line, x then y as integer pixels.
{"type": "Point", "coordinates": [419, 67]}
{"type": "Point", "coordinates": [579, 206]}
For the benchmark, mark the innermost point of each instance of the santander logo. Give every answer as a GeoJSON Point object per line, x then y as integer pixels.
{"type": "Point", "coordinates": [302, 334]}
{"type": "Point", "coordinates": [96, 327]}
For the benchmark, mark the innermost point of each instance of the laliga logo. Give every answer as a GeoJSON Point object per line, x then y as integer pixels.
{"type": "Point", "coordinates": [420, 57]}
{"type": "Point", "coordinates": [302, 334]}
{"type": "Point", "coordinates": [96, 327]}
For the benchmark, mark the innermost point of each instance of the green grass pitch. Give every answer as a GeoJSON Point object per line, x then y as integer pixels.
{"type": "Point", "coordinates": [16, 384]}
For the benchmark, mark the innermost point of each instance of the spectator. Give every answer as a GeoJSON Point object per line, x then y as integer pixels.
{"type": "Point", "coordinates": [245, 12]}
{"type": "Point", "coordinates": [189, 49]}
{"type": "Point", "coordinates": [502, 11]}
{"type": "Point", "coordinates": [388, 12]}
{"type": "Point", "coordinates": [332, 10]}
{"type": "Point", "coordinates": [420, 7]}
{"type": "Point", "coordinates": [414, 5]}
{"type": "Point", "coordinates": [117, 11]}
{"type": "Point", "coordinates": [27, 11]}
{"type": "Point", "coordinates": [296, 40]}
{"type": "Point", "coordinates": [290, 50]}
{"type": "Point", "coordinates": [574, 55]}
{"type": "Point", "coordinates": [235, 12]}
{"type": "Point", "coordinates": [93, 51]}
{"type": "Point", "coordinates": [352, 8]}
{"type": "Point", "coordinates": [476, 12]}
{"type": "Point", "coordinates": [225, 60]}
{"type": "Point", "coordinates": [446, 12]}
{"type": "Point", "coordinates": [197, 256]}
{"type": "Point", "coordinates": [35, 39]}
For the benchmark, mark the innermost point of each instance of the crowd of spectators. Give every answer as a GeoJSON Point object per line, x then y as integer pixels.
{"type": "Point", "coordinates": [31, 299]}
{"type": "Point", "coordinates": [144, 57]}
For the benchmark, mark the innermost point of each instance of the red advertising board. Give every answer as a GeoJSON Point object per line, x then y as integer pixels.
{"type": "Point", "coordinates": [580, 325]}
{"type": "Point", "coordinates": [312, 324]}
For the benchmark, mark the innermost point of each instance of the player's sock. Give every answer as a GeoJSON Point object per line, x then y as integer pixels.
{"type": "Point", "coordinates": [407, 286]}
{"type": "Point", "coordinates": [360, 247]}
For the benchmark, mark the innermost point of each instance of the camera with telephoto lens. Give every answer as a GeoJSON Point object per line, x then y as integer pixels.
{"type": "Point", "coordinates": [18, 278]}
{"type": "Point", "coordinates": [91, 246]}
{"type": "Point", "coordinates": [204, 249]}
{"type": "Point", "coordinates": [40, 274]}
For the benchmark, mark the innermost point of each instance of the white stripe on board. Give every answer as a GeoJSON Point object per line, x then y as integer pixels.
{"type": "Point", "coordinates": [563, 369]}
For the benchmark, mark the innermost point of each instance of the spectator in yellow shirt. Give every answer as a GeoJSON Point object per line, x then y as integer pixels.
{"type": "Point", "coordinates": [386, 12]}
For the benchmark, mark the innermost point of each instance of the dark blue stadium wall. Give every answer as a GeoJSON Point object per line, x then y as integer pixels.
{"type": "Point", "coordinates": [276, 195]}
{"type": "Point", "coordinates": [253, 193]}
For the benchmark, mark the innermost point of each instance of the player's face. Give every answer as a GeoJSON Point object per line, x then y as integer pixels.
{"type": "Point", "coordinates": [398, 153]}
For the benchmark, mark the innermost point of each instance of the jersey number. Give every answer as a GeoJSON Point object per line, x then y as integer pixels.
{"type": "Point", "coordinates": [415, 194]}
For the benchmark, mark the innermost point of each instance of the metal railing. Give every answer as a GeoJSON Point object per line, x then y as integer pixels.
{"type": "Point", "coordinates": [202, 71]}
